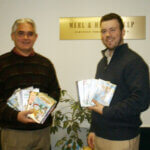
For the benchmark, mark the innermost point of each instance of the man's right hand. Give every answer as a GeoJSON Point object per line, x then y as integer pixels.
{"type": "Point", "coordinates": [90, 140]}
{"type": "Point", "coordinates": [23, 117]}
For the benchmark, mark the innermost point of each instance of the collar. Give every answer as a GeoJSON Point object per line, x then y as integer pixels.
{"type": "Point", "coordinates": [107, 53]}
{"type": "Point", "coordinates": [32, 53]}
{"type": "Point", "coordinates": [108, 56]}
{"type": "Point", "coordinates": [118, 49]}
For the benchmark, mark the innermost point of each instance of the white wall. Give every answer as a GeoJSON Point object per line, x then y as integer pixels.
{"type": "Point", "coordinates": [73, 59]}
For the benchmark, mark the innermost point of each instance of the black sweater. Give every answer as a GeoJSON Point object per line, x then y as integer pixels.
{"type": "Point", "coordinates": [121, 120]}
{"type": "Point", "coordinates": [20, 72]}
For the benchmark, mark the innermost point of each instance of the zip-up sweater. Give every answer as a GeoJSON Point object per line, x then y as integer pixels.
{"type": "Point", "coordinates": [121, 120]}
{"type": "Point", "coordinates": [20, 72]}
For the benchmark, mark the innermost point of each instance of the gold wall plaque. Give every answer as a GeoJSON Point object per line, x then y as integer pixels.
{"type": "Point", "coordinates": [89, 28]}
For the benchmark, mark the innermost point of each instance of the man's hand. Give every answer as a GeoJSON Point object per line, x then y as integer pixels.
{"type": "Point", "coordinates": [23, 117]}
{"type": "Point", "coordinates": [97, 107]}
{"type": "Point", "coordinates": [90, 140]}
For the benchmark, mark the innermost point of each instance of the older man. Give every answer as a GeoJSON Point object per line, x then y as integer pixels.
{"type": "Point", "coordinates": [20, 68]}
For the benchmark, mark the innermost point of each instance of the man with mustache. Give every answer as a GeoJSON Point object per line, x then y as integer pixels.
{"type": "Point", "coordinates": [20, 68]}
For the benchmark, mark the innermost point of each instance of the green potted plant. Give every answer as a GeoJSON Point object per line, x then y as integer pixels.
{"type": "Point", "coordinates": [70, 120]}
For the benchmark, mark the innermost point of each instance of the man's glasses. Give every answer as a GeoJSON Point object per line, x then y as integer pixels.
{"type": "Point", "coordinates": [28, 34]}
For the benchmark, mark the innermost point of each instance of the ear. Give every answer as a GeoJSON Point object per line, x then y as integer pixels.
{"type": "Point", "coordinates": [36, 36]}
{"type": "Point", "coordinates": [13, 36]}
{"type": "Point", "coordinates": [123, 33]}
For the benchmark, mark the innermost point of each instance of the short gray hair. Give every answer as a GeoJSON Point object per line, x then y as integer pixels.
{"type": "Point", "coordinates": [23, 20]}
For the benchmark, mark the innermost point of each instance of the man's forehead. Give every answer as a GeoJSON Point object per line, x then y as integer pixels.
{"type": "Point", "coordinates": [26, 27]}
{"type": "Point", "coordinates": [110, 23]}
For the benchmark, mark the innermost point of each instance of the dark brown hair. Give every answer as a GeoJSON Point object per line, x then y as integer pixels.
{"type": "Point", "coordinates": [111, 16]}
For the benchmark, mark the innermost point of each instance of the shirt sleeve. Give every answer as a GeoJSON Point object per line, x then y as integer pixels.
{"type": "Point", "coordinates": [6, 113]}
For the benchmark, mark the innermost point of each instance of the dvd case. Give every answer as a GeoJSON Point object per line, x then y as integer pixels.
{"type": "Point", "coordinates": [97, 89]}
